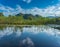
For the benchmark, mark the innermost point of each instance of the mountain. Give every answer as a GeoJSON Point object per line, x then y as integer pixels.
{"type": "Point", "coordinates": [27, 16]}
{"type": "Point", "coordinates": [53, 17]}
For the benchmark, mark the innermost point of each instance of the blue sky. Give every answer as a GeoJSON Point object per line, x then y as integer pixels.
{"type": "Point", "coordinates": [29, 3]}
{"type": "Point", "coordinates": [41, 7]}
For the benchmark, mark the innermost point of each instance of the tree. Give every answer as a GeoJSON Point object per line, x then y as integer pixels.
{"type": "Point", "coordinates": [1, 14]}
{"type": "Point", "coordinates": [20, 14]}
{"type": "Point", "coordinates": [10, 15]}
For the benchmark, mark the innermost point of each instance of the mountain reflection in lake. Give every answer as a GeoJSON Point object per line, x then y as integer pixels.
{"type": "Point", "coordinates": [34, 36]}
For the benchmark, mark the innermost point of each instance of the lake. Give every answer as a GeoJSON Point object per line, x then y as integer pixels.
{"type": "Point", "coordinates": [29, 36]}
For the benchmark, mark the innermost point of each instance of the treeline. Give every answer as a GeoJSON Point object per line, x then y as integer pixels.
{"type": "Point", "coordinates": [27, 19]}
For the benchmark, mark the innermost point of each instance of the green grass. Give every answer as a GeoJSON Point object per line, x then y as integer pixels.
{"type": "Point", "coordinates": [19, 20]}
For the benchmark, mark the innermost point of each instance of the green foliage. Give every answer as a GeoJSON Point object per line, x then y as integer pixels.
{"type": "Point", "coordinates": [31, 20]}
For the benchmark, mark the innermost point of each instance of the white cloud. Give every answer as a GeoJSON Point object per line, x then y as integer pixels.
{"type": "Point", "coordinates": [27, 41]}
{"type": "Point", "coordinates": [48, 11]}
{"type": "Point", "coordinates": [27, 1]}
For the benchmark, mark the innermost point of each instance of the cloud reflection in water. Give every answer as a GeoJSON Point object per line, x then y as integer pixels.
{"type": "Point", "coordinates": [34, 36]}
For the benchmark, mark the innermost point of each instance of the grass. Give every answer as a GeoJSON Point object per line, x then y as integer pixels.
{"type": "Point", "coordinates": [20, 20]}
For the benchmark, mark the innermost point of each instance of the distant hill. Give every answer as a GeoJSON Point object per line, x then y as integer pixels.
{"type": "Point", "coordinates": [26, 16]}
{"type": "Point", "coordinates": [53, 17]}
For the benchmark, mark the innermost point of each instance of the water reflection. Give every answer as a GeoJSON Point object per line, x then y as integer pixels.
{"type": "Point", "coordinates": [33, 36]}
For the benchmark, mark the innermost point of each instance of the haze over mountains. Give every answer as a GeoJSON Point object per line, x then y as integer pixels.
{"type": "Point", "coordinates": [30, 15]}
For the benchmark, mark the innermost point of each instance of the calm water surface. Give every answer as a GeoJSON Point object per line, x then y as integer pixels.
{"type": "Point", "coordinates": [33, 36]}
